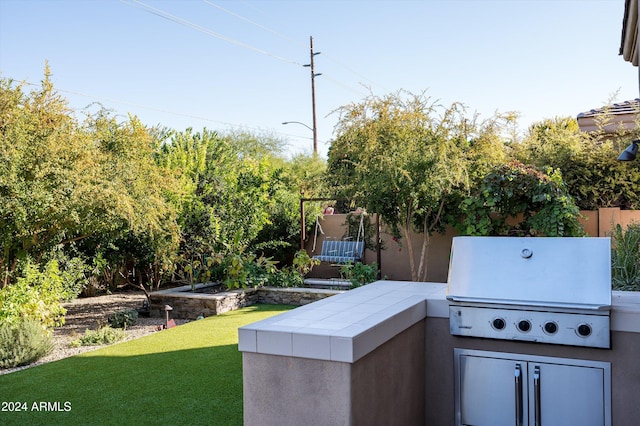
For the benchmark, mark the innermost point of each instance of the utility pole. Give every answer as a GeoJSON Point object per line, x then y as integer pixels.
{"type": "Point", "coordinates": [313, 96]}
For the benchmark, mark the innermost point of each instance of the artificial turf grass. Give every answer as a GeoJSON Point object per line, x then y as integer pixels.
{"type": "Point", "coordinates": [188, 375]}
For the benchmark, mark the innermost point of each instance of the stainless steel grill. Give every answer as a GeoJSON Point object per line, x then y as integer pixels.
{"type": "Point", "coordinates": [548, 290]}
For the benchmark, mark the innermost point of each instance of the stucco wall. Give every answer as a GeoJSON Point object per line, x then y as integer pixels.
{"type": "Point", "coordinates": [394, 262]}
{"type": "Point", "coordinates": [386, 387]}
{"type": "Point", "coordinates": [284, 391]}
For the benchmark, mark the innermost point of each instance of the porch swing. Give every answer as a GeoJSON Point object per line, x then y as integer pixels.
{"type": "Point", "coordinates": [340, 252]}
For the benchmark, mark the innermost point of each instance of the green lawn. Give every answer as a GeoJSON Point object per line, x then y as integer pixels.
{"type": "Point", "coordinates": [188, 375]}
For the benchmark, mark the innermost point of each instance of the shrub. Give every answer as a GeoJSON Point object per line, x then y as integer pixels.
{"type": "Point", "coordinates": [285, 278]}
{"type": "Point", "coordinates": [302, 263]}
{"type": "Point", "coordinates": [359, 273]}
{"type": "Point", "coordinates": [102, 336]}
{"type": "Point", "coordinates": [123, 318]}
{"type": "Point", "coordinates": [36, 295]}
{"type": "Point", "coordinates": [292, 276]}
{"type": "Point", "coordinates": [73, 272]}
{"type": "Point", "coordinates": [515, 189]}
{"type": "Point", "coordinates": [23, 343]}
{"type": "Point", "coordinates": [74, 277]}
{"type": "Point", "coordinates": [593, 176]}
{"type": "Point", "coordinates": [625, 258]}
{"type": "Point", "coordinates": [242, 270]}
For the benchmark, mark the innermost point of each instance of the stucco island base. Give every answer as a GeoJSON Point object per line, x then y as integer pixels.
{"type": "Point", "coordinates": [384, 387]}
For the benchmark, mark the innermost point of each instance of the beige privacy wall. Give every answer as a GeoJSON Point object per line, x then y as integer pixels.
{"type": "Point", "coordinates": [394, 260]}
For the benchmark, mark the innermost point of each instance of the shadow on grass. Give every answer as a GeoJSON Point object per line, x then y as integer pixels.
{"type": "Point", "coordinates": [189, 375]}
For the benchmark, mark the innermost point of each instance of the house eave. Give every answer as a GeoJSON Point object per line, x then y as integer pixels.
{"type": "Point", "coordinates": [629, 39]}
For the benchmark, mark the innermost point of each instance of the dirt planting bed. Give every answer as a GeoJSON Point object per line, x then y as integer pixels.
{"type": "Point", "coordinates": [91, 312]}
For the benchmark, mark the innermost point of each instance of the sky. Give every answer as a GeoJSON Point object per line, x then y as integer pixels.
{"type": "Point", "coordinates": [236, 65]}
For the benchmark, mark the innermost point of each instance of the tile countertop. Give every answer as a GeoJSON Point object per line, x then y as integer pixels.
{"type": "Point", "coordinates": [347, 326]}
{"type": "Point", "coordinates": [625, 311]}
{"type": "Point", "coordinates": [344, 327]}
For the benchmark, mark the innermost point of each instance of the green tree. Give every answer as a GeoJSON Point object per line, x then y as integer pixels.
{"type": "Point", "coordinates": [402, 156]}
{"type": "Point", "coordinates": [62, 181]}
{"type": "Point", "coordinates": [305, 175]}
{"type": "Point", "coordinates": [134, 188]}
{"type": "Point", "coordinates": [588, 162]}
{"type": "Point", "coordinates": [225, 189]}
{"type": "Point", "coordinates": [301, 176]}
{"type": "Point", "coordinates": [41, 154]}
{"type": "Point", "coordinates": [551, 142]}
{"type": "Point", "coordinates": [240, 195]}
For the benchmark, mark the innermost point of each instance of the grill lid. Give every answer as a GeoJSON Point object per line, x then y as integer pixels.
{"type": "Point", "coordinates": [561, 272]}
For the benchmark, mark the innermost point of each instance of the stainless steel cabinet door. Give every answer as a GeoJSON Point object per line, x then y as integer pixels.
{"type": "Point", "coordinates": [561, 395]}
{"type": "Point", "coordinates": [496, 389]}
{"type": "Point", "coordinates": [492, 392]}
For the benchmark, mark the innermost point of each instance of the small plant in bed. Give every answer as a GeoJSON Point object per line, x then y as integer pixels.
{"type": "Point", "coordinates": [625, 257]}
{"type": "Point", "coordinates": [359, 274]}
{"type": "Point", "coordinates": [104, 335]}
{"type": "Point", "coordinates": [123, 318]}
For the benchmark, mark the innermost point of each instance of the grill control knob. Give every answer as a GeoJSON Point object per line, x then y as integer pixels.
{"type": "Point", "coordinates": [498, 323]}
{"type": "Point", "coordinates": [584, 330]}
{"type": "Point", "coordinates": [550, 327]}
{"type": "Point", "coordinates": [524, 326]}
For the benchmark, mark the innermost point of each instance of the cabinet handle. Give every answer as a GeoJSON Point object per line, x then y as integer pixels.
{"type": "Point", "coordinates": [536, 395]}
{"type": "Point", "coordinates": [518, 384]}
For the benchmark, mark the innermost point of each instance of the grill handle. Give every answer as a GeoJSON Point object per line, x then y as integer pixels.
{"type": "Point", "coordinates": [518, 384]}
{"type": "Point", "coordinates": [503, 302]}
{"type": "Point", "coordinates": [536, 395]}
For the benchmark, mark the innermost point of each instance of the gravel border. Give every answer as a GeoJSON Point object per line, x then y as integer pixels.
{"type": "Point", "coordinates": [90, 313]}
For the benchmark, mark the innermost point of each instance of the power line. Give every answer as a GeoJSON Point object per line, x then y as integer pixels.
{"type": "Point", "coordinates": [355, 72]}
{"type": "Point", "coordinates": [338, 83]}
{"type": "Point", "coordinates": [262, 27]}
{"type": "Point", "coordinates": [168, 16]}
{"type": "Point", "coordinates": [236, 15]}
{"type": "Point", "coordinates": [189, 24]}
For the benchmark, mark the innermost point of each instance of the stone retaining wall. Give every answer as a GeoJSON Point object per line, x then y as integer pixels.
{"type": "Point", "coordinates": [291, 296]}
{"type": "Point", "coordinates": [189, 305]}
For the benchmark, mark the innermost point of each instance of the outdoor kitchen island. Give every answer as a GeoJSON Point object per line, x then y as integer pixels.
{"type": "Point", "coordinates": [383, 354]}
